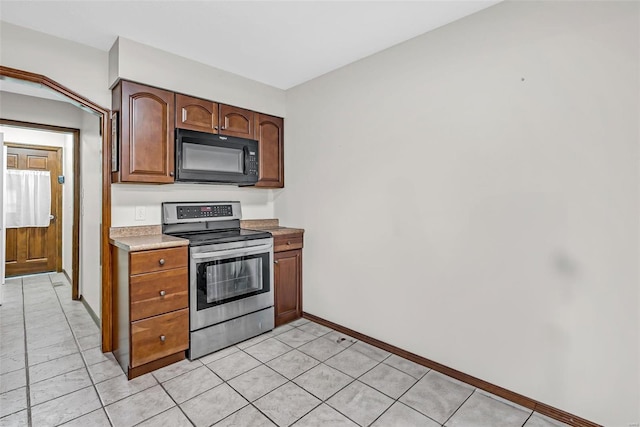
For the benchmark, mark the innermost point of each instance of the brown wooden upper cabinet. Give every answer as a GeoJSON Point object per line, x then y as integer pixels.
{"type": "Point", "coordinates": [146, 133]}
{"type": "Point", "coordinates": [196, 114]}
{"type": "Point", "coordinates": [236, 121]}
{"type": "Point", "coordinates": [269, 133]}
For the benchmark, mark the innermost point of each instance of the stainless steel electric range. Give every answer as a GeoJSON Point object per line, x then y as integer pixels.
{"type": "Point", "coordinates": [230, 274]}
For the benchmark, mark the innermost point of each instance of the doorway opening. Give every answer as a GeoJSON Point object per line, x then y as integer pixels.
{"type": "Point", "coordinates": [57, 247]}
{"type": "Point", "coordinates": [102, 275]}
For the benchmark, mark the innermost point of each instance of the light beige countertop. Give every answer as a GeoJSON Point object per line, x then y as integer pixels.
{"type": "Point", "coordinates": [143, 238]}
{"type": "Point", "coordinates": [270, 225]}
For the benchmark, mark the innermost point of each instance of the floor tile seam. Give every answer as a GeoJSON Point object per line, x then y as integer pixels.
{"type": "Point", "coordinates": [421, 376]}
{"type": "Point", "coordinates": [352, 380]}
{"type": "Point", "coordinates": [79, 416]}
{"type": "Point", "coordinates": [416, 409]}
{"type": "Point", "coordinates": [528, 418]}
{"type": "Point", "coordinates": [122, 398]}
{"type": "Point", "coordinates": [14, 412]}
{"type": "Point", "coordinates": [84, 362]}
{"type": "Point", "coordinates": [380, 391]}
{"type": "Point", "coordinates": [459, 406]}
{"type": "Point", "coordinates": [281, 354]}
{"type": "Point", "coordinates": [59, 375]}
{"type": "Point", "coordinates": [345, 415]}
{"type": "Point", "coordinates": [26, 359]}
{"type": "Point", "coordinates": [7, 391]}
{"type": "Point", "coordinates": [174, 401]}
{"type": "Point", "coordinates": [62, 395]}
{"type": "Point", "coordinates": [381, 361]}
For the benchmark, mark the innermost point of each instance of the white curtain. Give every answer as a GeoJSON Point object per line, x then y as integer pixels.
{"type": "Point", "coordinates": [28, 198]}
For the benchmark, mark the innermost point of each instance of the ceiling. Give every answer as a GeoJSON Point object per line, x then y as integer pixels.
{"type": "Point", "coordinates": [280, 43]}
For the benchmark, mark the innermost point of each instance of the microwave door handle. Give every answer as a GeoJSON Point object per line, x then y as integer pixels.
{"type": "Point", "coordinates": [245, 151]}
{"type": "Point", "coordinates": [232, 252]}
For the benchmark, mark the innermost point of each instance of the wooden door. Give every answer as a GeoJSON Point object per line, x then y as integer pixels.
{"type": "Point", "coordinates": [269, 133]}
{"type": "Point", "coordinates": [236, 121]}
{"type": "Point", "coordinates": [33, 250]}
{"type": "Point", "coordinates": [147, 133]}
{"type": "Point", "coordinates": [196, 114]}
{"type": "Point", "coordinates": [288, 286]}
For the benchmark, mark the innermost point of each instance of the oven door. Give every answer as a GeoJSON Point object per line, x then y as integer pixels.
{"type": "Point", "coordinates": [229, 280]}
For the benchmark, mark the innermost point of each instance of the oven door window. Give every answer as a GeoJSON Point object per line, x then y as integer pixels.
{"type": "Point", "coordinates": [232, 279]}
{"type": "Point", "coordinates": [211, 158]}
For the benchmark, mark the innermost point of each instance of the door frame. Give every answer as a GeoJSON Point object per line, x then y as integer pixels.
{"type": "Point", "coordinates": [105, 126]}
{"type": "Point", "coordinates": [75, 238]}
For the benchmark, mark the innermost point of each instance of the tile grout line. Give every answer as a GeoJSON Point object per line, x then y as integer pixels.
{"type": "Point", "coordinates": [84, 362]}
{"type": "Point", "coordinates": [460, 406]}
{"type": "Point", "coordinates": [173, 400]}
{"type": "Point", "coordinates": [26, 356]}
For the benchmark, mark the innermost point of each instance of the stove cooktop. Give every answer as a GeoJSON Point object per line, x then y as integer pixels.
{"type": "Point", "coordinates": [223, 236]}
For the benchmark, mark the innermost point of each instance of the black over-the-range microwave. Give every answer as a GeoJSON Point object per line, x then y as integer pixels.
{"type": "Point", "coordinates": [216, 159]}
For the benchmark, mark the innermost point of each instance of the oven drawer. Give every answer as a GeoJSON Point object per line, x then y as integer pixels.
{"type": "Point", "coordinates": [156, 293]}
{"type": "Point", "coordinates": [159, 336]}
{"type": "Point", "coordinates": [158, 260]}
{"type": "Point", "coordinates": [287, 242]}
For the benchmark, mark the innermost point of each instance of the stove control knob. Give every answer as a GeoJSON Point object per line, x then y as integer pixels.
{"type": "Point", "coordinates": [162, 338]}
{"type": "Point", "coordinates": [161, 262]}
{"type": "Point", "coordinates": [162, 293]}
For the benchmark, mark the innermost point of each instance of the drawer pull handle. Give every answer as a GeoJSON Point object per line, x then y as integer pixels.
{"type": "Point", "coordinates": [162, 338]}
{"type": "Point", "coordinates": [161, 261]}
{"type": "Point", "coordinates": [162, 293]}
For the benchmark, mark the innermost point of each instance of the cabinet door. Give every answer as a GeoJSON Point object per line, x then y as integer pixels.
{"type": "Point", "coordinates": [196, 114]}
{"type": "Point", "coordinates": [147, 134]}
{"type": "Point", "coordinates": [236, 121]}
{"type": "Point", "coordinates": [288, 286]}
{"type": "Point", "coordinates": [269, 133]}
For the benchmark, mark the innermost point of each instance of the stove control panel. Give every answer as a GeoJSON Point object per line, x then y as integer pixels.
{"type": "Point", "coordinates": [204, 211]}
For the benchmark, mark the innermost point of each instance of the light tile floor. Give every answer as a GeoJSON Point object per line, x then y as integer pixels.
{"type": "Point", "coordinates": [52, 372]}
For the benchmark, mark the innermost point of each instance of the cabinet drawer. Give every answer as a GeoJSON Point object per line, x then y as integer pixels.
{"type": "Point", "coordinates": [156, 293]}
{"type": "Point", "coordinates": [158, 260]}
{"type": "Point", "coordinates": [287, 242]}
{"type": "Point", "coordinates": [159, 336]}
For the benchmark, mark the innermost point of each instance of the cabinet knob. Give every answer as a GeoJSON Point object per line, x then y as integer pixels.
{"type": "Point", "coordinates": [170, 173]}
{"type": "Point", "coordinates": [288, 242]}
{"type": "Point", "coordinates": [162, 293]}
{"type": "Point", "coordinates": [215, 127]}
{"type": "Point", "coordinates": [161, 262]}
{"type": "Point", "coordinates": [275, 262]}
{"type": "Point", "coordinates": [163, 338]}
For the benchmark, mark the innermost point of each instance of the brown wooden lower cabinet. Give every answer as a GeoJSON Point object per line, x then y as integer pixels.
{"type": "Point", "coordinates": [287, 278]}
{"type": "Point", "coordinates": [151, 316]}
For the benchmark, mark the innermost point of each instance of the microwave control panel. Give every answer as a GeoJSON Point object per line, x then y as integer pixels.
{"type": "Point", "coordinates": [253, 163]}
{"type": "Point", "coordinates": [204, 211]}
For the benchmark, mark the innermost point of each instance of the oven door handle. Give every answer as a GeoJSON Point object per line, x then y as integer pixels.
{"type": "Point", "coordinates": [225, 253]}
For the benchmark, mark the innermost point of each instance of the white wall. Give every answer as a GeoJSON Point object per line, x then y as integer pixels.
{"type": "Point", "coordinates": [91, 211]}
{"type": "Point", "coordinates": [471, 196]}
{"type": "Point", "coordinates": [53, 139]}
{"type": "Point", "coordinates": [80, 68]}
{"type": "Point", "coordinates": [138, 62]}
{"type": "Point", "coordinates": [145, 64]}
{"type": "Point", "coordinates": [44, 111]}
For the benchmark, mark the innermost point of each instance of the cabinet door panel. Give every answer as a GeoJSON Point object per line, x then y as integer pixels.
{"type": "Point", "coordinates": [196, 114]}
{"type": "Point", "coordinates": [236, 121]}
{"type": "Point", "coordinates": [288, 289]}
{"type": "Point", "coordinates": [269, 133]}
{"type": "Point", "coordinates": [147, 134]}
